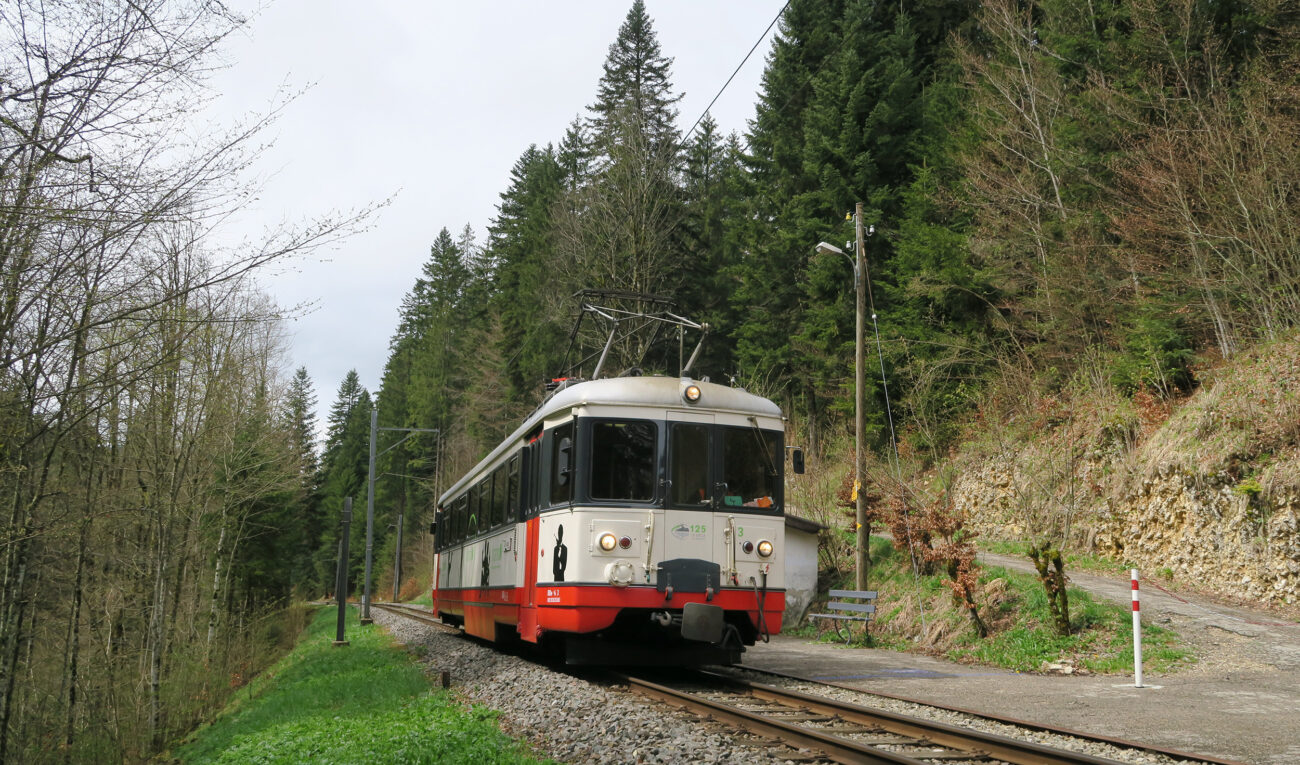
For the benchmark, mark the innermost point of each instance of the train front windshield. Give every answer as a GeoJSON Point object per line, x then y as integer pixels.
{"type": "Point", "coordinates": [751, 467]}
{"type": "Point", "coordinates": [623, 460]}
{"type": "Point", "coordinates": [744, 470]}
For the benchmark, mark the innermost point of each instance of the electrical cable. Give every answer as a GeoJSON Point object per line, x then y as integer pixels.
{"type": "Point", "coordinates": [893, 442]}
{"type": "Point", "coordinates": [757, 42]}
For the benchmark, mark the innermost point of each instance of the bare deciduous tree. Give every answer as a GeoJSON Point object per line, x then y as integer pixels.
{"type": "Point", "coordinates": [127, 346]}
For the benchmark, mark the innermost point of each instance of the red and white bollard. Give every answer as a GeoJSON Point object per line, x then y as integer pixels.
{"type": "Point", "coordinates": [1137, 633]}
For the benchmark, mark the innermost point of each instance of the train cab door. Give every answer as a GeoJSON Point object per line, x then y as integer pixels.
{"type": "Point", "coordinates": [530, 499]}
{"type": "Point", "coordinates": [692, 494]}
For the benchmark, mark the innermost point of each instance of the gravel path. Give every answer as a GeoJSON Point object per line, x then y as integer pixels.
{"type": "Point", "coordinates": [1224, 636]}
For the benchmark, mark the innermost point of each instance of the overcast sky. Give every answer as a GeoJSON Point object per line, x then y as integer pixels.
{"type": "Point", "coordinates": [431, 103]}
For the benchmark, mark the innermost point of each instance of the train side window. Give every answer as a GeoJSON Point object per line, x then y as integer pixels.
{"type": "Point", "coordinates": [499, 494]}
{"type": "Point", "coordinates": [510, 509]}
{"type": "Point", "coordinates": [479, 505]}
{"type": "Point", "coordinates": [562, 465]}
{"type": "Point", "coordinates": [463, 522]}
{"type": "Point", "coordinates": [624, 460]}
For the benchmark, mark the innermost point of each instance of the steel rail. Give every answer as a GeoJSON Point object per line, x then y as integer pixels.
{"type": "Point", "coordinates": [836, 748]}
{"type": "Point", "coordinates": [1028, 724]}
{"type": "Point", "coordinates": [416, 614]}
{"type": "Point", "coordinates": [961, 742]}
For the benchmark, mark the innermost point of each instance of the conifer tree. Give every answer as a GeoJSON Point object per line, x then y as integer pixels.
{"type": "Point", "coordinates": [344, 471]}
{"type": "Point", "coordinates": [574, 156]}
{"type": "Point", "coordinates": [785, 206]}
{"type": "Point", "coordinates": [299, 421]}
{"type": "Point", "coordinates": [347, 399]}
{"type": "Point", "coordinates": [713, 195]}
{"type": "Point", "coordinates": [636, 78]}
{"type": "Point", "coordinates": [521, 237]}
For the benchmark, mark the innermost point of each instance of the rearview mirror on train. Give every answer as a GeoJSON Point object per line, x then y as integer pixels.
{"type": "Point", "coordinates": [433, 527]}
{"type": "Point", "coordinates": [796, 457]}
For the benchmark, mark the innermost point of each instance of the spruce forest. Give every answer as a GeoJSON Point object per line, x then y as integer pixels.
{"type": "Point", "coordinates": [1063, 195]}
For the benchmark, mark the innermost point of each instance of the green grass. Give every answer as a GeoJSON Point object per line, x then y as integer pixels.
{"type": "Point", "coordinates": [1021, 633]}
{"type": "Point", "coordinates": [361, 703]}
{"type": "Point", "coordinates": [1100, 639]}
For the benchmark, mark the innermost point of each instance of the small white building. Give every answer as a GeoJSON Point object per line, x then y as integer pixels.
{"type": "Point", "coordinates": [800, 567]}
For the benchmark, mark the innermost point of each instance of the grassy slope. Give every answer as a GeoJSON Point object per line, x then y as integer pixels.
{"type": "Point", "coordinates": [363, 703]}
{"type": "Point", "coordinates": [1014, 607]}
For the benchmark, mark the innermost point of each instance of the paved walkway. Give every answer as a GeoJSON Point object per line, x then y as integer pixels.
{"type": "Point", "coordinates": [1241, 701]}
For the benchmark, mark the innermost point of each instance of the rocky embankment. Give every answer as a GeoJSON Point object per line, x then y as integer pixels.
{"type": "Point", "coordinates": [1204, 492]}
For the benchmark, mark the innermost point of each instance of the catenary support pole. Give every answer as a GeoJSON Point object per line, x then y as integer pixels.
{"type": "Point", "coordinates": [397, 562]}
{"type": "Point", "coordinates": [341, 578]}
{"type": "Point", "coordinates": [1137, 633]}
{"type": "Point", "coordinates": [859, 406]}
{"type": "Point", "coordinates": [370, 515]}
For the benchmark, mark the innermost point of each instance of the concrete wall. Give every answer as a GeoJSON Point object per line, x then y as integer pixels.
{"type": "Point", "coordinates": [800, 573]}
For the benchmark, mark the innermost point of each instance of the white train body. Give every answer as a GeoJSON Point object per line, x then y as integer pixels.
{"type": "Point", "coordinates": [624, 512]}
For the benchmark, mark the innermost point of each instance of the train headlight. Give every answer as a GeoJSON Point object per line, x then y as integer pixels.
{"type": "Point", "coordinates": [765, 549]}
{"type": "Point", "coordinates": [608, 542]}
{"type": "Point", "coordinates": [692, 393]}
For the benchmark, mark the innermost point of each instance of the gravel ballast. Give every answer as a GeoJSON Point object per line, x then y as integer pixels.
{"type": "Point", "coordinates": [570, 719]}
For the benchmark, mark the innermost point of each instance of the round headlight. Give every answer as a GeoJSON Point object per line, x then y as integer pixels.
{"type": "Point", "coordinates": [692, 393]}
{"type": "Point", "coordinates": [625, 542]}
{"type": "Point", "coordinates": [748, 547]}
{"type": "Point", "coordinates": [607, 542]}
{"type": "Point", "coordinates": [765, 549]}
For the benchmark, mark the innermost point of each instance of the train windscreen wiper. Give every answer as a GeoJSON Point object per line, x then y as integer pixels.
{"type": "Point", "coordinates": [762, 447]}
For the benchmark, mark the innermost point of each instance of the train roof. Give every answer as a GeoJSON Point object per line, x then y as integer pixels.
{"type": "Point", "coordinates": [665, 392]}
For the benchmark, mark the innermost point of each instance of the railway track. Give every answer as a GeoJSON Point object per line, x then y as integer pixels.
{"type": "Point", "coordinates": [417, 614]}
{"type": "Point", "coordinates": [844, 732]}
{"type": "Point", "coordinates": [838, 731]}
{"type": "Point", "coordinates": [1027, 725]}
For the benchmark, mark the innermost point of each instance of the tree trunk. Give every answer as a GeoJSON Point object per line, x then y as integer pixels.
{"type": "Point", "coordinates": [11, 619]}
{"type": "Point", "coordinates": [1051, 571]}
{"type": "Point", "coordinates": [74, 641]}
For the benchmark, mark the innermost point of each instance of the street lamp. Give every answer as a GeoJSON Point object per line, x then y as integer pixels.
{"type": "Point", "coordinates": [859, 402]}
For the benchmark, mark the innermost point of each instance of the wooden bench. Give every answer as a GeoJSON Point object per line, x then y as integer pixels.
{"type": "Point", "coordinates": [853, 606]}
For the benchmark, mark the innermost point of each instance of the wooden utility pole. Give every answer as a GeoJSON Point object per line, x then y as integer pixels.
{"type": "Point", "coordinates": [370, 516]}
{"type": "Point", "coordinates": [859, 405]}
{"type": "Point", "coordinates": [341, 575]}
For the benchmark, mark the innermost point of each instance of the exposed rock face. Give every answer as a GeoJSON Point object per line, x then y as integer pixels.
{"type": "Point", "coordinates": [1207, 534]}
{"type": "Point", "coordinates": [1203, 490]}
{"type": "Point", "coordinates": [1175, 523]}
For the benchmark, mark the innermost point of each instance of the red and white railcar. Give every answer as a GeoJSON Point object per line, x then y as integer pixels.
{"type": "Point", "coordinates": [628, 520]}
